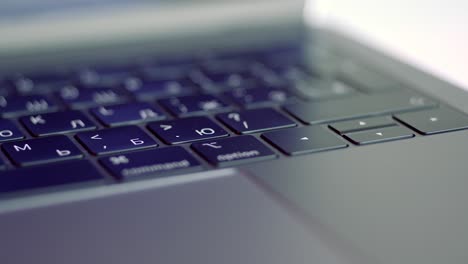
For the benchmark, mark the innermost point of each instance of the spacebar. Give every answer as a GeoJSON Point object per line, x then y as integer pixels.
{"type": "Point", "coordinates": [50, 175]}
{"type": "Point", "coordinates": [358, 106]}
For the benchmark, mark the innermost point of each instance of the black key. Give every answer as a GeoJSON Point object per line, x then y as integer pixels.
{"type": "Point", "coordinates": [258, 96]}
{"type": "Point", "coordinates": [155, 162]}
{"type": "Point", "coordinates": [57, 123]}
{"type": "Point", "coordinates": [358, 107]}
{"type": "Point", "coordinates": [9, 131]}
{"type": "Point", "coordinates": [220, 66]}
{"type": "Point", "coordinates": [106, 75]}
{"type": "Point", "coordinates": [23, 105]}
{"type": "Point", "coordinates": [367, 79]}
{"type": "Point", "coordinates": [255, 120]}
{"type": "Point", "coordinates": [379, 135]}
{"type": "Point", "coordinates": [127, 114]}
{"type": "Point", "coordinates": [39, 82]}
{"type": "Point", "coordinates": [70, 173]}
{"type": "Point", "coordinates": [82, 98]}
{"type": "Point", "coordinates": [362, 124]}
{"type": "Point", "coordinates": [41, 150]}
{"type": "Point", "coordinates": [233, 151]}
{"type": "Point", "coordinates": [5, 89]}
{"type": "Point", "coordinates": [193, 104]}
{"type": "Point", "coordinates": [318, 89]}
{"type": "Point", "coordinates": [295, 71]}
{"type": "Point", "coordinates": [227, 80]}
{"type": "Point", "coordinates": [149, 90]}
{"type": "Point", "coordinates": [115, 139]}
{"type": "Point", "coordinates": [435, 120]}
{"type": "Point", "coordinates": [171, 70]}
{"type": "Point", "coordinates": [302, 140]}
{"type": "Point", "coordinates": [187, 129]}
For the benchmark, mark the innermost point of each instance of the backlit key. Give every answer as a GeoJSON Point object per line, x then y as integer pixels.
{"type": "Point", "coordinates": [186, 105]}
{"type": "Point", "coordinates": [57, 123]}
{"type": "Point", "coordinates": [82, 98]}
{"type": "Point", "coordinates": [232, 151]}
{"type": "Point", "coordinates": [115, 139]}
{"type": "Point", "coordinates": [155, 162]}
{"type": "Point", "coordinates": [61, 174]}
{"type": "Point", "coordinates": [23, 105]}
{"type": "Point", "coordinates": [255, 120]}
{"type": "Point", "coordinates": [9, 131]}
{"type": "Point", "coordinates": [187, 129]}
{"type": "Point", "coordinates": [127, 114]}
{"type": "Point", "coordinates": [41, 150]}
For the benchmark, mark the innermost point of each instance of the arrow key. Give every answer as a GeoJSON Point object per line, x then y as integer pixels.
{"type": "Point", "coordinates": [435, 120]}
{"type": "Point", "coordinates": [295, 141]}
{"type": "Point", "coordinates": [379, 135]}
{"type": "Point", "coordinates": [345, 127]}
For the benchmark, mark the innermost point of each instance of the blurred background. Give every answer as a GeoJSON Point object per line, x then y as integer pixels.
{"type": "Point", "coordinates": [432, 34]}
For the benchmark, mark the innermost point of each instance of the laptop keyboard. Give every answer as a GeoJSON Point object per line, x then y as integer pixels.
{"type": "Point", "coordinates": [110, 124]}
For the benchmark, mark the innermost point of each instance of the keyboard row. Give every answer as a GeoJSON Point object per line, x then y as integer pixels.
{"type": "Point", "coordinates": [172, 77]}
{"type": "Point", "coordinates": [130, 113]}
{"type": "Point", "coordinates": [150, 158]}
{"type": "Point", "coordinates": [241, 122]}
{"type": "Point", "coordinates": [177, 105]}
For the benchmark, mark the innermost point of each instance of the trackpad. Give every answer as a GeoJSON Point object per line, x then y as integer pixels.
{"type": "Point", "coordinates": [225, 219]}
{"type": "Point", "coordinates": [399, 202]}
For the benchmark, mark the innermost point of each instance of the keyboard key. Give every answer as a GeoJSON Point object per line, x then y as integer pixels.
{"type": "Point", "coordinates": [258, 96]}
{"type": "Point", "coordinates": [127, 114]}
{"type": "Point", "coordinates": [379, 135]}
{"type": "Point", "coordinates": [39, 83]}
{"type": "Point", "coordinates": [115, 139]}
{"type": "Point", "coordinates": [317, 89]}
{"type": "Point", "coordinates": [366, 79]}
{"type": "Point", "coordinates": [9, 131]}
{"type": "Point", "coordinates": [193, 104]}
{"type": "Point", "coordinates": [41, 150]}
{"type": "Point", "coordinates": [233, 151]}
{"type": "Point", "coordinates": [149, 90]}
{"type": "Point", "coordinates": [5, 89]}
{"type": "Point", "coordinates": [302, 140]}
{"type": "Point", "coordinates": [362, 124]}
{"type": "Point", "coordinates": [74, 97]}
{"type": "Point", "coordinates": [255, 120]}
{"type": "Point", "coordinates": [23, 105]}
{"type": "Point", "coordinates": [222, 81]}
{"type": "Point", "coordinates": [69, 173]}
{"type": "Point", "coordinates": [220, 65]}
{"type": "Point", "coordinates": [187, 129]}
{"type": "Point", "coordinates": [435, 120]}
{"type": "Point", "coordinates": [57, 123]}
{"type": "Point", "coordinates": [358, 107]}
{"type": "Point", "coordinates": [173, 69]}
{"type": "Point", "coordinates": [155, 162]}
{"type": "Point", "coordinates": [106, 76]}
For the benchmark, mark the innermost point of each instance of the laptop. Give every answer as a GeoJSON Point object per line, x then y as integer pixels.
{"type": "Point", "coordinates": [220, 132]}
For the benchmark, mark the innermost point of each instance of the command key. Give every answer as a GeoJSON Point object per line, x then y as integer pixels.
{"type": "Point", "coordinates": [155, 162]}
